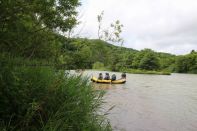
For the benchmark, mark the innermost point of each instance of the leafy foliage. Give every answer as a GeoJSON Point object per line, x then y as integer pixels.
{"type": "Point", "coordinates": [111, 34]}
{"type": "Point", "coordinates": [42, 98]}
{"type": "Point", "coordinates": [187, 63]}
{"type": "Point", "coordinates": [98, 65]}
{"type": "Point", "coordinates": [149, 61]}
{"type": "Point", "coordinates": [34, 94]}
{"type": "Point", "coordinates": [27, 28]}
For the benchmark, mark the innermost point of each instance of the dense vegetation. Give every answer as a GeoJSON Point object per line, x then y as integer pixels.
{"type": "Point", "coordinates": [186, 63]}
{"type": "Point", "coordinates": [97, 54]}
{"type": "Point", "coordinates": [40, 98]}
{"type": "Point", "coordinates": [35, 94]}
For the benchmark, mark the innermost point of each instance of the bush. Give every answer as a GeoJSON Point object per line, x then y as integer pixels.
{"type": "Point", "coordinates": [98, 65]}
{"type": "Point", "coordinates": [42, 98]}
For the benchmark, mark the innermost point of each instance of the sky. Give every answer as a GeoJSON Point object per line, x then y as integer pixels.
{"type": "Point", "coordinates": [162, 25]}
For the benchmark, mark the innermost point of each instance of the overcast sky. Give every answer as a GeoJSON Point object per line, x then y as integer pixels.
{"type": "Point", "coordinates": [162, 25]}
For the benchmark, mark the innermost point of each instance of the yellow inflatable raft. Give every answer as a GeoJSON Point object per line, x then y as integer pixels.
{"type": "Point", "coordinates": [120, 81]}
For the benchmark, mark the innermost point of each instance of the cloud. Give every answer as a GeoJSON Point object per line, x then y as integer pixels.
{"type": "Point", "coordinates": [162, 25]}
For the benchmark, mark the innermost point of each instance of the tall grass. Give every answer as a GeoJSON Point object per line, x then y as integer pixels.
{"type": "Point", "coordinates": [138, 71]}
{"type": "Point", "coordinates": [42, 98]}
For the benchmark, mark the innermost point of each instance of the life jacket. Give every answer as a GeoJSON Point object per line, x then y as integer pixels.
{"type": "Point", "coordinates": [113, 77]}
{"type": "Point", "coordinates": [107, 77]}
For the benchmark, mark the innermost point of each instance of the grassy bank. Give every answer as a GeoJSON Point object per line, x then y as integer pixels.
{"type": "Point", "coordinates": [43, 98]}
{"type": "Point", "coordinates": [137, 71]}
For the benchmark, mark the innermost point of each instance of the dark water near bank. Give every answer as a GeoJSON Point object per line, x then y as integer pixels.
{"type": "Point", "coordinates": [152, 102]}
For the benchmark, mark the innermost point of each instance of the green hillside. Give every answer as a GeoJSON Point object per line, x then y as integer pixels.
{"type": "Point", "coordinates": [89, 53]}
{"type": "Point", "coordinates": [84, 53]}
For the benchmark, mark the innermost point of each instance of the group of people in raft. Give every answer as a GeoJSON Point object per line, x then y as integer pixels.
{"type": "Point", "coordinates": [113, 77]}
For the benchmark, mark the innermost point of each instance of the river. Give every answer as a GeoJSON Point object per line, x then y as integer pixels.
{"type": "Point", "coordinates": [152, 102]}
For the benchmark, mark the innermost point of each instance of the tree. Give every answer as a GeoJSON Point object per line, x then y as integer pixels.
{"type": "Point", "coordinates": [114, 36]}
{"type": "Point", "coordinates": [137, 58]}
{"type": "Point", "coordinates": [149, 62]}
{"type": "Point", "coordinates": [33, 26]}
{"type": "Point", "coordinates": [100, 18]}
{"type": "Point", "coordinates": [146, 59]}
{"type": "Point", "coordinates": [193, 51]}
{"type": "Point", "coordinates": [186, 63]}
{"type": "Point", "coordinates": [181, 64]}
{"type": "Point", "coordinates": [112, 33]}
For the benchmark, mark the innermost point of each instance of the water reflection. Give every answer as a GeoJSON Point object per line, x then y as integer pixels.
{"type": "Point", "coordinates": [102, 86]}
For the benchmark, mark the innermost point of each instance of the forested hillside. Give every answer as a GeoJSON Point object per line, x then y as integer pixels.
{"type": "Point", "coordinates": [90, 53]}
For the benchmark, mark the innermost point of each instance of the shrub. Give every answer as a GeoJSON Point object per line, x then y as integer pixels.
{"type": "Point", "coordinates": [98, 65]}
{"type": "Point", "coordinates": [42, 98]}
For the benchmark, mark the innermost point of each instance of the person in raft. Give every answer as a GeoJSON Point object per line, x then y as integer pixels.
{"type": "Point", "coordinates": [100, 76]}
{"type": "Point", "coordinates": [107, 77]}
{"type": "Point", "coordinates": [113, 77]}
{"type": "Point", "coordinates": [123, 76]}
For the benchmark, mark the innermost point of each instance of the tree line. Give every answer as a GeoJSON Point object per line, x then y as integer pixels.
{"type": "Point", "coordinates": [90, 53]}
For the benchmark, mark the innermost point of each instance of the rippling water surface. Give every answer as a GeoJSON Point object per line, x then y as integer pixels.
{"type": "Point", "coordinates": [152, 102]}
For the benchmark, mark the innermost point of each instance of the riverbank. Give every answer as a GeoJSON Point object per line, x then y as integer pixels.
{"type": "Point", "coordinates": [137, 71]}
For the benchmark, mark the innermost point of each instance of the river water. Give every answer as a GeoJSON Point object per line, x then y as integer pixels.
{"type": "Point", "coordinates": [152, 102]}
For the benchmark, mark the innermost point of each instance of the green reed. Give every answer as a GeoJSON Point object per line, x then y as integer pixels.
{"type": "Point", "coordinates": [43, 98]}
